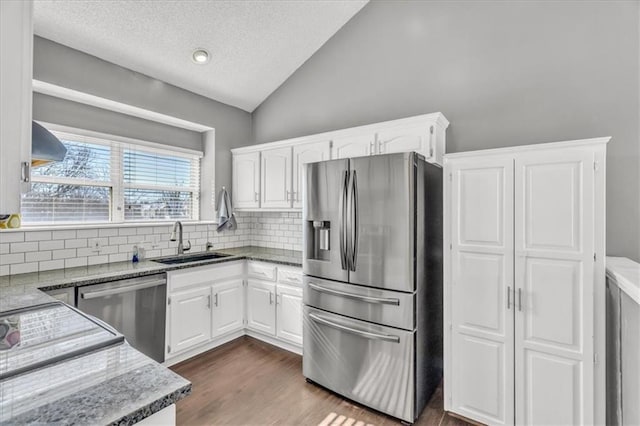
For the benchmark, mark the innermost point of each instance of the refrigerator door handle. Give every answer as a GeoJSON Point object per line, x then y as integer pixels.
{"type": "Point", "coordinates": [343, 214]}
{"type": "Point", "coordinates": [366, 299]}
{"type": "Point", "coordinates": [361, 333]}
{"type": "Point", "coordinates": [353, 223]}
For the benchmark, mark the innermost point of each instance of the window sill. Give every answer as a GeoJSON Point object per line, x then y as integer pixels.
{"type": "Point", "coordinates": [105, 225]}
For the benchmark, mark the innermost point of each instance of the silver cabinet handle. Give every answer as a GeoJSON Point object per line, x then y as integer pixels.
{"type": "Point", "coordinates": [508, 297]}
{"type": "Point", "coordinates": [342, 224]}
{"type": "Point", "coordinates": [362, 333]}
{"type": "Point", "coordinates": [520, 299]}
{"type": "Point", "coordinates": [371, 147]}
{"type": "Point", "coordinates": [366, 299]}
{"type": "Point", "coordinates": [215, 299]}
{"type": "Point", "coordinates": [255, 196]}
{"type": "Point", "coordinates": [119, 290]}
{"type": "Point", "coordinates": [380, 147]}
{"type": "Point", "coordinates": [25, 171]}
{"type": "Point", "coordinates": [209, 301]}
{"type": "Point", "coordinates": [270, 298]}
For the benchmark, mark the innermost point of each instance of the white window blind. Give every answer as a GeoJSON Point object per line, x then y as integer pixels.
{"type": "Point", "coordinates": [102, 180]}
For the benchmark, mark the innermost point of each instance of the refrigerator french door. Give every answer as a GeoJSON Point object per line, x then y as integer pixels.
{"type": "Point", "coordinates": [372, 230]}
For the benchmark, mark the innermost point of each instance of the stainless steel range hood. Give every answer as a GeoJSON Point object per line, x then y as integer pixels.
{"type": "Point", "coordinates": [45, 147]}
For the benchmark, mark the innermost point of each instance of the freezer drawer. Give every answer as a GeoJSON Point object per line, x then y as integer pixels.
{"type": "Point", "coordinates": [386, 307]}
{"type": "Point", "coordinates": [368, 363]}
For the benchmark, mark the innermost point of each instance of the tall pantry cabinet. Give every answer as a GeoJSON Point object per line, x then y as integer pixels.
{"type": "Point", "coordinates": [525, 285]}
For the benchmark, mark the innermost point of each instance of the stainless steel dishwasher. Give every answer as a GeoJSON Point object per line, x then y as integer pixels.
{"type": "Point", "coordinates": [135, 307]}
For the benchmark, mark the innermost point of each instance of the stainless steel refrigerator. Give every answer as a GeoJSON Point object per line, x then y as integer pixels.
{"type": "Point", "coordinates": [372, 259]}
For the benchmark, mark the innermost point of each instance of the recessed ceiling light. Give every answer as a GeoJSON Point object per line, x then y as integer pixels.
{"type": "Point", "coordinates": [200, 56]}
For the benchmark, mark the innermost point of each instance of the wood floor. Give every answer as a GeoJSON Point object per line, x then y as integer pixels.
{"type": "Point", "coordinates": [248, 382]}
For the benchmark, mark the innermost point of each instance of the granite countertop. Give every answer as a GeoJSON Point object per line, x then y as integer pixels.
{"type": "Point", "coordinates": [17, 291]}
{"type": "Point", "coordinates": [117, 385]}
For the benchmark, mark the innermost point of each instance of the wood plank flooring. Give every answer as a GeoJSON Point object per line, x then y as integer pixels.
{"type": "Point", "coordinates": [249, 382]}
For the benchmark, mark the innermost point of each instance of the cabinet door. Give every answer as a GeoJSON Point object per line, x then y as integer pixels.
{"type": "Point", "coordinates": [228, 307]}
{"type": "Point", "coordinates": [289, 314]}
{"type": "Point", "coordinates": [16, 59]}
{"type": "Point", "coordinates": [246, 180]}
{"type": "Point", "coordinates": [261, 309]}
{"type": "Point", "coordinates": [353, 146]}
{"type": "Point", "coordinates": [190, 319]}
{"type": "Point", "coordinates": [554, 269]}
{"type": "Point", "coordinates": [405, 139]}
{"type": "Point", "coordinates": [302, 154]}
{"type": "Point", "coordinates": [276, 178]}
{"type": "Point", "coordinates": [481, 282]}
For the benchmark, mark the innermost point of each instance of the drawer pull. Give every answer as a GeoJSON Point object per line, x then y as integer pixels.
{"type": "Point", "coordinates": [362, 333]}
{"type": "Point", "coordinates": [367, 299]}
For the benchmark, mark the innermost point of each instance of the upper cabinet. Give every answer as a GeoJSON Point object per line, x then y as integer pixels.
{"type": "Point", "coordinates": [16, 70]}
{"type": "Point", "coordinates": [353, 146]}
{"type": "Point", "coordinates": [246, 180]}
{"type": "Point", "coordinates": [303, 154]}
{"type": "Point", "coordinates": [279, 166]}
{"type": "Point", "coordinates": [275, 182]}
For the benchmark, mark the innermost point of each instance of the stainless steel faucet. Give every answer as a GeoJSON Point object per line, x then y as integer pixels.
{"type": "Point", "coordinates": [178, 227]}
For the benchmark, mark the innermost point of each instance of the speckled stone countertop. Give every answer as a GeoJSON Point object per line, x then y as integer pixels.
{"type": "Point", "coordinates": [17, 291]}
{"type": "Point", "coordinates": [117, 385]}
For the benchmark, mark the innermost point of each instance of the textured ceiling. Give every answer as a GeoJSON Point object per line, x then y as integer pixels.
{"type": "Point", "coordinates": [254, 45]}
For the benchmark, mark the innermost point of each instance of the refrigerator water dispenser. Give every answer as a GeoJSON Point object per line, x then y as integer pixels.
{"type": "Point", "coordinates": [320, 244]}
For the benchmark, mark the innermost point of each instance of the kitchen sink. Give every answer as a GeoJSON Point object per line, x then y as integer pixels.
{"type": "Point", "coordinates": [187, 258]}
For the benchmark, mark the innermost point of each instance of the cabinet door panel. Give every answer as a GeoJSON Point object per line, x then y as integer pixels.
{"type": "Point", "coordinates": [228, 307]}
{"type": "Point", "coordinates": [289, 314]}
{"type": "Point", "coordinates": [302, 154]}
{"type": "Point", "coordinates": [554, 269]}
{"type": "Point", "coordinates": [276, 178]}
{"type": "Point", "coordinates": [353, 146]}
{"type": "Point", "coordinates": [246, 180]}
{"type": "Point", "coordinates": [406, 139]}
{"type": "Point", "coordinates": [190, 319]}
{"type": "Point", "coordinates": [261, 309]}
{"type": "Point", "coordinates": [481, 386]}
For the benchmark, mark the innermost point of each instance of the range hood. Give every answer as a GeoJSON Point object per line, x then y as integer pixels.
{"type": "Point", "coordinates": [45, 147]}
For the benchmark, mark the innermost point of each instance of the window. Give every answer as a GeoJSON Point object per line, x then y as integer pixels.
{"type": "Point", "coordinates": [104, 180]}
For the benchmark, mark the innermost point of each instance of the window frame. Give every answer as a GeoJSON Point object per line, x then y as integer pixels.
{"type": "Point", "coordinates": [118, 144]}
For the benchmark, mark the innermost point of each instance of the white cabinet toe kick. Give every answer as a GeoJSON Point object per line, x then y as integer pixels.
{"type": "Point", "coordinates": [210, 305]}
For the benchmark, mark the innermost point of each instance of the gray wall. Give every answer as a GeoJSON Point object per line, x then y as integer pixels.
{"type": "Point", "coordinates": [68, 113]}
{"type": "Point", "coordinates": [63, 66]}
{"type": "Point", "coordinates": [503, 73]}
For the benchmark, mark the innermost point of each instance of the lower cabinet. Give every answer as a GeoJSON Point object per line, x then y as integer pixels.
{"type": "Point", "coordinates": [228, 307]}
{"type": "Point", "coordinates": [208, 304]}
{"type": "Point", "coordinates": [190, 319]}
{"type": "Point", "coordinates": [275, 309]}
{"type": "Point", "coordinates": [289, 313]}
{"type": "Point", "coordinates": [261, 313]}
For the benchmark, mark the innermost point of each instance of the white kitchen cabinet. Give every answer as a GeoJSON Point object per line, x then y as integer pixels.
{"type": "Point", "coordinates": [246, 180]}
{"type": "Point", "coordinates": [16, 71]}
{"type": "Point", "coordinates": [261, 313]}
{"type": "Point", "coordinates": [189, 319]}
{"type": "Point", "coordinates": [303, 154]}
{"type": "Point", "coordinates": [421, 139]}
{"type": "Point", "coordinates": [275, 181]}
{"type": "Point", "coordinates": [269, 176]}
{"type": "Point", "coordinates": [357, 145]}
{"type": "Point", "coordinates": [289, 313]}
{"type": "Point", "coordinates": [524, 284]}
{"type": "Point", "coordinates": [228, 307]}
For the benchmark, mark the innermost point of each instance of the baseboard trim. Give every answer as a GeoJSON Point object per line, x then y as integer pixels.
{"type": "Point", "coordinates": [275, 342]}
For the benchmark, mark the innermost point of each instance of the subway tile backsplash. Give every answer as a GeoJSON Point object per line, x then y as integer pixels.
{"type": "Point", "coordinates": [31, 251]}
